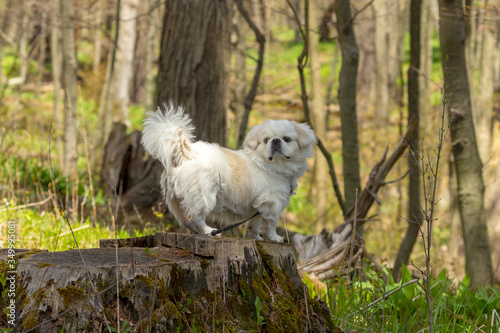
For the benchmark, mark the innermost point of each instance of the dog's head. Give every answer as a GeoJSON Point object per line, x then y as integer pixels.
{"type": "Point", "coordinates": [281, 139]}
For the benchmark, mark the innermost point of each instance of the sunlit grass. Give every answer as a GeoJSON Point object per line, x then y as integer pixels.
{"type": "Point", "coordinates": [358, 304]}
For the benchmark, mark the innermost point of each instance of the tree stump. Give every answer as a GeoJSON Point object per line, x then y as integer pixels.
{"type": "Point", "coordinates": [167, 283]}
{"type": "Point", "coordinates": [126, 171]}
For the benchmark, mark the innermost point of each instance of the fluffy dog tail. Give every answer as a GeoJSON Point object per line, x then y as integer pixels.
{"type": "Point", "coordinates": [168, 135]}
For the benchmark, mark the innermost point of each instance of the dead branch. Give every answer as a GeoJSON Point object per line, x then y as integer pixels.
{"type": "Point", "coordinates": [325, 253]}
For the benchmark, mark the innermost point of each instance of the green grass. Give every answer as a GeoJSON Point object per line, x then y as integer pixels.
{"type": "Point", "coordinates": [455, 308]}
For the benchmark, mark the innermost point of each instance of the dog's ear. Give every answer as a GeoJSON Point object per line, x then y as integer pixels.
{"type": "Point", "coordinates": [252, 138]}
{"type": "Point", "coordinates": [306, 136]}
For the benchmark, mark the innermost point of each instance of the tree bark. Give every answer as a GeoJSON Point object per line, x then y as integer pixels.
{"type": "Point", "coordinates": [150, 56]}
{"type": "Point", "coordinates": [347, 101]}
{"type": "Point", "coordinates": [122, 76]}
{"type": "Point", "coordinates": [97, 37]}
{"type": "Point", "coordinates": [465, 151]}
{"type": "Point", "coordinates": [365, 36]}
{"type": "Point", "coordinates": [414, 205]}
{"type": "Point", "coordinates": [427, 30]}
{"type": "Point", "coordinates": [69, 86]}
{"type": "Point", "coordinates": [381, 82]}
{"type": "Point", "coordinates": [318, 115]}
{"type": "Point", "coordinates": [193, 65]}
{"type": "Point", "coordinates": [239, 69]}
{"type": "Point", "coordinates": [483, 115]}
{"type": "Point", "coordinates": [55, 53]}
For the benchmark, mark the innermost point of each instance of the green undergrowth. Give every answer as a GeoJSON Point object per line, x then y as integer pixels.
{"type": "Point", "coordinates": [360, 306]}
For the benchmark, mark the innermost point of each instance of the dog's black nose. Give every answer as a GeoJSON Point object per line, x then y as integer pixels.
{"type": "Point", "coordinates": [276, 141]}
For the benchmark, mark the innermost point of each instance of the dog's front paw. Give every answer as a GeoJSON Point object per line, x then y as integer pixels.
{"type": "Point", "coordinates": [275, 238]}
{"type": "Point", "coordinates": [252, 235]}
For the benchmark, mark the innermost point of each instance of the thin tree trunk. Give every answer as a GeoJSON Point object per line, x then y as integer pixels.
{"type": "Point", "coordinates": [239, 72]}
{"type": "Point", "coordinates": [414, 205]}
{"type": "Point", "coordinates": [382, 111]}
{"type": "Point", "coordinates": [456, 239]}
{"type": "Point", "coordinates": [41, 49]}
{"type": "Point", "coordinates": [347, 101]}
{"type": "Point", "coordinates": [98, 37]}
{"type": "Point", "coordinates": [484, 98]}
{"type": "Point", "coordinates": [55, 52]}
{"type": "Point", "coordinates": [465, 151]}
{"type": "Point", "coordinates": [318, 115]}
{"type": "Point", "coordinates": [427, 30]}
{"type": "Point", "coordinates": [123, 74]}
{"type": "Point", "coordinates": [365, 36]}
{"type": "Point", "coordinates": [150, 56]}
{"type": "Point", "coordinates": [69, 86]}
{"type": "Point", "coordinates": [104, 111]}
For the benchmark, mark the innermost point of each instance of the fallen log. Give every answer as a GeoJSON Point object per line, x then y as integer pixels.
{"type": "Point", "coordinates": [168, 283]}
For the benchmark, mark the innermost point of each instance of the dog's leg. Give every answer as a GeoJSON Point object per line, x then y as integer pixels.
{"type": "Point", "coordinates": [268, 228]}
{"type": "Point", "coordinates": [201, 226]}
{"type": "Point", "coordinates": [254, 228]}
{"type": "Point", "coordinates": [270, 213]}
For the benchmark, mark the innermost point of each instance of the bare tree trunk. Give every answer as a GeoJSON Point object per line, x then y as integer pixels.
{"type": "Point", "coordinates": [98, 37]}
{"type": "Point", "coordinates": [69, 86]}
{"type": "Point", "coordinates": [150, 56]}
{"type": "Point", "coordinates": [484, 119]}
{"type": "Point", "coordinates": [55, 53]}
{"type": "Point", "coordinates": [483, 115]}
{"type": "Point", "coordinates": [123, 73]}
{"type": "Point", "coordinates": [365, 36]}
{"type": "Point", "coordinates": [414, 206]}
{"type": "Point", "coordinates": [382, 111]}
{"type": "Point", "coordinates": [465, 151]}
{"type": "Point", "coordinates": [202, 46]}
{"type": "Point", "coordinates": [239, 72]}
{"type": "Point", "coordinates": [427, 30]}
{"type": "Point", "coordinates": [318, 118]}
{"type": "Point", "coordinates": [456, 240]}
{"type": "Point", "coordinates": [104, 110]}
{"type": "Point", "coordinates": [347, 101]}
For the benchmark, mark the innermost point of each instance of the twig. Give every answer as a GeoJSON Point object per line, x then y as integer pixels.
{"type": "Point", "coordinates": [68, 232]}
{"type": "Point", "coordinates": [33, 204]}
{"type": "Point", "coordinates": [360, 11]}
{"type": "Point", "coordinates": [390, 293]}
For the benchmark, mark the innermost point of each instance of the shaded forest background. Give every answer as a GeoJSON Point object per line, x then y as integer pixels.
{"type": "Point", "coordinates": [120, 54]}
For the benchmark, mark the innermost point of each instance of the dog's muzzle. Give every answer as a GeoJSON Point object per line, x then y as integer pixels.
{"type": "Point", "coordinates": [276, 148]}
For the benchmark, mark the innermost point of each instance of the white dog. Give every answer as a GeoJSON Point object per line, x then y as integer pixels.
{"type": "Point", "coordinates": [203, 180]}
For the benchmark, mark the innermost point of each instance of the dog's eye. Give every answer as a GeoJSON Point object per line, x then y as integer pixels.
{"type": "Point", "coordinates": [266, 140]}
{"type": "Point", "coordinates": [287, 139]}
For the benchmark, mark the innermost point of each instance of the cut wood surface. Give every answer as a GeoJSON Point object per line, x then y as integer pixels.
{"type": "Point", "coordinates": [168, 282]}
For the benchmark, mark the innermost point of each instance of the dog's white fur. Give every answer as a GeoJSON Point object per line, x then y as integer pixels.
{"type": "Point", "coordinates": [203, 180]}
